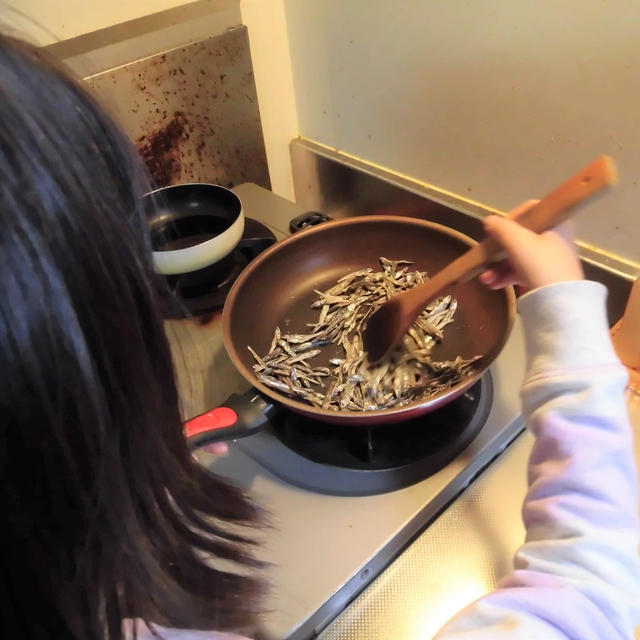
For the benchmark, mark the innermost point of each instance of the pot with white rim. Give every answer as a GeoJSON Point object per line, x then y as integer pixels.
{"type": "Point", "coordinates": [279, 286]}
{"type": "Point", "coordinates": [192, 226]}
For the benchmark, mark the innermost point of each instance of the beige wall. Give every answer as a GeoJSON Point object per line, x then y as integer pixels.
{"type": "Point", "coordinates": [266, 22]}
{"type": "Point", "coordinates": [49, 21]}
{"type": "Point", "coordinates": [120, 43]}
{"type": "Point", "coordinates": [492, 100]}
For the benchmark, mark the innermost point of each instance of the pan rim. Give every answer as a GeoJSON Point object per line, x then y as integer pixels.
{"type": "Point", "coordinates": [394, 414]}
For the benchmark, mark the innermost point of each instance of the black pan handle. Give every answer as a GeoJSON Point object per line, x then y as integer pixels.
{"type": "Point", "coordinates": [255, 238]}
{"type": "Point", "coordinates": [240, 416]}
{"type": "Point", "coordinates": [306, 220]}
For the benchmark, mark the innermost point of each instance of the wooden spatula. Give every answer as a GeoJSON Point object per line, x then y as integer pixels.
{"type": "Point", "coordinates": [392, 320]}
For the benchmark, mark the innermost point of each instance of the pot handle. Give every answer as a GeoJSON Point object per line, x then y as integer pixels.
{"type": "Point", "coordinates": [306, 220]}
{"type": "Point", "coordinates": [239, 416]}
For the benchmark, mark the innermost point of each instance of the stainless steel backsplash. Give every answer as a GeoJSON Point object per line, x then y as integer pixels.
{"type": "Point", "coordinates": [192, 111]}
{"type": "Point", "coordinates": [340, 185]}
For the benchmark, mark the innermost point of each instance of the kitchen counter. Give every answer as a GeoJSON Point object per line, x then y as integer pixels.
{"type": "Point", "coordinates": [458, 558]}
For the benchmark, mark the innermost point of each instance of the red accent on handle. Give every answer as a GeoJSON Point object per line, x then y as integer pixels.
{"type": "Point", "coordinates": [209, 421]}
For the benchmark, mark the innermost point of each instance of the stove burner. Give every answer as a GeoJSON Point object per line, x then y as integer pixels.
{"type": "Point", "coordinates": [205, 290]}
{"type": "Point", "coordinates": [385, 447]}
{"type": "Point", "coordinates": [350, 461]}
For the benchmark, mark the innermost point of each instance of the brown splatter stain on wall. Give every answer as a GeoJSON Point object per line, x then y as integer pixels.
{"type": "Point", "coordinates": [160, 150]}
{"type": "Point", "coordinates": [192, 111]}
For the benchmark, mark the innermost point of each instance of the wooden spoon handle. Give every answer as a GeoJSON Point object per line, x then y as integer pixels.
{"type": "Point", "coordinates": [554, 209]}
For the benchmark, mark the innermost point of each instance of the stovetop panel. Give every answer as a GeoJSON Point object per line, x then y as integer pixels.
{"type": "Point", "coordinates": [320, 542]}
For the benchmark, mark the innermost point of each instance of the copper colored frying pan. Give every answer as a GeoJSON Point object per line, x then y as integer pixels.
{"type": "Point", "coordinates": [277, 289]}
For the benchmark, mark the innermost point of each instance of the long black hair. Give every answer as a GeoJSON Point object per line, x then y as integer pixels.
{"type": "Point", "coordinates": [106, 515]}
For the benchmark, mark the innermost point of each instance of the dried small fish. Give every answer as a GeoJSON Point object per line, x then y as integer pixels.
{"type": "Point", "coordinates": [300, 338]}
{"type": "Point", "coordinates": [274, 382]}
{"type": "Point", "coordinates": [303, 356]}
{"type": "Point", "coordinates": [286, 348]}
{"type": "Point", "coordinates": [276, 339]}
{"type": "Point", "coordinates": [352, 385]}
{"type": "Point", "coordinates": [323, 315]}
{"type": "Point", "coordinates": [259, 360]}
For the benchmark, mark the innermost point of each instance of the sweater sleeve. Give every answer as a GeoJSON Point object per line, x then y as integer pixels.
{"type": "Point", "coordinates": [577, 575]}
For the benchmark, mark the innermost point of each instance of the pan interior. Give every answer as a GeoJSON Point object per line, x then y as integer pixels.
{"type": "Point", "coordinates": [185, 215]}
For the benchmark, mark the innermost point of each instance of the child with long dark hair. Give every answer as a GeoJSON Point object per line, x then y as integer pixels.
{"type": "Point", "coordinates": [106, 515]}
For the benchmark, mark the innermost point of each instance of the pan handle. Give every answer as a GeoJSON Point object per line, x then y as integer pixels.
{"type": "Point", "coordinates": [306, 220]}
{"type": "Point", "coordinates": [239, 416]}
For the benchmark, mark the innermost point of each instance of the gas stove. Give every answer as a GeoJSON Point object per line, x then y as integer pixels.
{"type": "Point", "coordinates": [344, 502]}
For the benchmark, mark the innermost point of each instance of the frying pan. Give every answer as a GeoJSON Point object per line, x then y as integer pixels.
{"type": "Point", "coordinates": [277, 289]}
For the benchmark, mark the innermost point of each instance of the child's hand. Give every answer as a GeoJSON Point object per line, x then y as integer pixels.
{"type": "Point", "coordinates": [534, 260]}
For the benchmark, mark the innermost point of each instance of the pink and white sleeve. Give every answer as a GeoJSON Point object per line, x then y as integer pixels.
{"type": "Point", "coordinates": [577, 575]}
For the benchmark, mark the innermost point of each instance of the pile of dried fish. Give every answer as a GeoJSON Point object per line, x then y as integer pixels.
{"type": "Point", "coordinates": [350, 383]}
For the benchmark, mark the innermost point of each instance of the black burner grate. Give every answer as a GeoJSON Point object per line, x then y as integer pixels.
{"type": "Point", "coordinates": [383, 447]}
{"type": "Point", "coordinates": [354, 461]}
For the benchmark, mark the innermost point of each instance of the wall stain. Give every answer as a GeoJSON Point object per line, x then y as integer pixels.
{"type": "Point", "coordinates": [192, 112]}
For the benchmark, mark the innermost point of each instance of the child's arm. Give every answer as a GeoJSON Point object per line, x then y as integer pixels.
{"type": "Point", "coordinates": [577, 575]}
